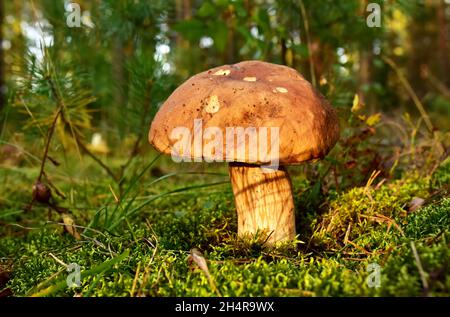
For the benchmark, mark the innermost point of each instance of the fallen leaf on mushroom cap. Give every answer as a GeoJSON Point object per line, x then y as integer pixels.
{"type": "Point", "coordinates": [69, 226]}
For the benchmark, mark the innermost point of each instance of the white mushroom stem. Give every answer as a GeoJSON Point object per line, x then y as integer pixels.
{"type": "Point", "coordinates": [264, 202]}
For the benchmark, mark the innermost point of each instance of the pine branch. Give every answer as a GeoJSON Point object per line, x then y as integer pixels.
{"type": "Point", "coordinates": [48, 141]}
{"type": "Point", "coordinates": [76, 135]}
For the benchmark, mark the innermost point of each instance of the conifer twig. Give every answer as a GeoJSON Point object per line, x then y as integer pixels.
{"type": "Point", "coordinates": [77, 137]}
{"type": "Point", "coordinates": [48, 141]}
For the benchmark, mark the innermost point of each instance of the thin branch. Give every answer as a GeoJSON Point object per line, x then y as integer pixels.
{"type": "Point", "coordinates": [411, 92]}
{"type": "Point", "coordinates": [48, 141]}
{"type": "Point", "coordinates": [439, 85]}
{"type": "Point", "coordinates": [94, 157]}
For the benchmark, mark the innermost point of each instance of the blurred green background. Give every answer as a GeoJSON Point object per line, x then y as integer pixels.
{"type": "Point", "coordinates": [121, 48]}
{"type": "Point", "coordinates": [85, 80]}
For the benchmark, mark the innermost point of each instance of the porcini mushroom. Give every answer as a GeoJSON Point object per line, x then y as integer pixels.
{"type": "Point", "coordinates": [248, 96]}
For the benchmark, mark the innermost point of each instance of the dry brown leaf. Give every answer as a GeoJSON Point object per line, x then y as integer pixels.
{"type": "Point", "coordinates": [415, 204]}
{"type": "Point", "coordinates": [197, 257]}
{"type": "Point", "coordinates": [69, 226]}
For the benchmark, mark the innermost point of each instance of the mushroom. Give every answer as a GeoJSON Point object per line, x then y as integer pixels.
{"type": "Point", "coordinates": [249, 96]}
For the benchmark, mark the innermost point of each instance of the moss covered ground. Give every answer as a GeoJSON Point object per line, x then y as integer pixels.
{"type": "Point", "coordinates": [140, 245]}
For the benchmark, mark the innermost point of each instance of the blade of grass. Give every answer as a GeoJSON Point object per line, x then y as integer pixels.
{"type": "Point", "coordinates": [131, 201]}
{"type": "Point", "coordinates": [133, 183]}
{"type": "Point", "coordinates": [139, 176]}
{"type": "Point", "coordinates": [148, 201]}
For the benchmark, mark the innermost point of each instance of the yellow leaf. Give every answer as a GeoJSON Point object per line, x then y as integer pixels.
{"type": "Point", "coordinates": [373, 119]}
{"type": "Point", "coordinates": [356, 104]}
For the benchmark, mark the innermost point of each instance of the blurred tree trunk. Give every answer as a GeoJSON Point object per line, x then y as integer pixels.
{"type": "Point", "coordinates": [364, 67]}
{"type": "Point", "coordinates": [283, 51]}
{"type": "Point", "coordinates": [420, 54]}
{"type": "Point", "coordinates": [230, 50]}
{"type": "Point", "coordinates": [120, 84]}
{"type": "Point", "coordinates": [2, 65]}
{"type": "Point", "coordinates": [443, 43]}
{"type": "Point", "coordinates": [364, 78]}
{"type": "Point", "coordinates": [183, 12]}
{"type": "Point", "coordinates": [183, 57]}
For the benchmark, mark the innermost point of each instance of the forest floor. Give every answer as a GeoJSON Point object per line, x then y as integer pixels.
{"type": "Point", "coordinates": [140, 245]}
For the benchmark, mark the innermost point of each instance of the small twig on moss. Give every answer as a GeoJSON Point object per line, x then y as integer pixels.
{"type": "Point", "coordinates": [136, 275]}
{"type": "Point", "coordinates": [57, 260]}
{"type": "Point", "coordinates": [420, 268]}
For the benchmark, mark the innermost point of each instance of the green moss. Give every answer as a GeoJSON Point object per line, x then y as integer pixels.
{"type": "Point", "coordinates": [429, 221]}
{"type": "Point", "coordinates": [401, 276]}
{"type": "Point", "coordinates": [354, 215]}
{"type": "Point", "coordinates": [159, 237]}
{"type": "Point", "coordinates": [442, 175]}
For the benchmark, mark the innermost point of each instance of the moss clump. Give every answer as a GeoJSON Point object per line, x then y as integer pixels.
{"type": "Point", "coordinates": [158, 238]}
{"type": "Point", "coordinates": [441, 178]}
{"type": "Point", "coordinates": [400, 272]}
{"type": "Point", "coordinates": [429, 221]}
{"type": "Point", "coordinates": [355, 214]}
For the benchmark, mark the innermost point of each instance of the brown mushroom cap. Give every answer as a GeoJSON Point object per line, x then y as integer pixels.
{"type": "Point", "coordinates": [251, 94]}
